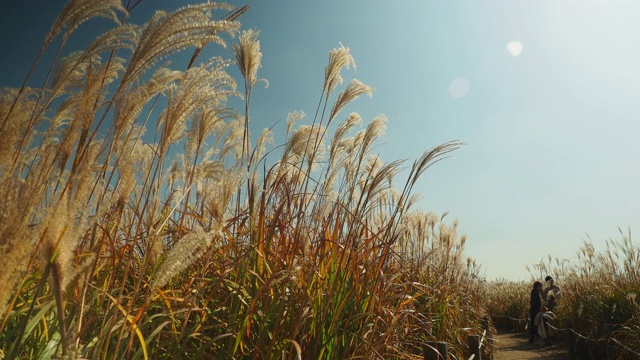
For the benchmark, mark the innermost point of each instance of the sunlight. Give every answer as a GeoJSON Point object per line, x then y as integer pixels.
{"type": "Point", "coordinates": [514, 48]}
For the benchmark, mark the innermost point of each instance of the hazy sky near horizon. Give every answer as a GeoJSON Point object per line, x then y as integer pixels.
{"type": "Point", "coordinates": [546, 95]}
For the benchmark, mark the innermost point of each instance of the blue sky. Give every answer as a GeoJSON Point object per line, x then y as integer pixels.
{"type": "Point", "coordinates": [552, 133]}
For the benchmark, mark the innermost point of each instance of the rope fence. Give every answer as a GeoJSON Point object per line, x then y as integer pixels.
{"type": "Point", "coordinates": [572, 334]}
{"type": "Point", "coordinates": [562, 329]}
{"type": "Point", "coordinates": [626, 347]}
{"type": "Point", "coordinates": [437, 350]}
{"type": "Point", "coordinates": [568, 329]}
{"type": "Point", "coordinates": [509, 317]}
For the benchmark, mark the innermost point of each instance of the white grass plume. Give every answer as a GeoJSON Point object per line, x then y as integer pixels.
{"type": "Point", "coordinates": [184, 253]}
{"type": "Point", "coordinates": [13, 125]}
{"type": "Point", "coordinates": [353, 91]}
{"type": "Point", "coordinates": [248, 55]}
{"type": "Point", "coordinates": [301, 143]}
{"type": "Point", "coordinates": [218, 195]}
{"type": "Point", "coordinates": [266, 138]}
{"type": "Point", "coordinates": [201, 87]}
{"type": "Point", "coordinates": [16, 243]}
{"type": "Point", "coordinates": [129, 107]}
{"type": "Point", "coordinates": [166, 34]}
{"type": "Point", "coordinates": [293, 118]}
{"type": "Point", "coordinates": [78, 11]}
{"type": "Point", "coordinates": [338, 58]}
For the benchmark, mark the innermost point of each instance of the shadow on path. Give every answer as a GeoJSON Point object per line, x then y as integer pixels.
{"type": "Point", "coordinates": [515, 346]}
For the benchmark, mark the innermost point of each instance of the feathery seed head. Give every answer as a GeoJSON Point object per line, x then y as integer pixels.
{"type": "Point", "coordinates": [290, 170]}
{"type": "Point", "coordinates": [61, 230]}
{"type": "Point", "coordinates": [186, 251]}
{"type": "Point", "coordinates": [217, 196]}
{"type": "Point", "coordinates": [248, 55]}
{"type": "Point", "coordinates": [202, 87]}
{"type": "Point", "coordinates": [78, 11]}
{"type": "Point", "coordinates": [372, 165]}
{"type": "Point", "coordinates": [266, 137]}
{"type": "Point", "coordinates": [353, 91]}
{"type": "Point", "coordinates": [14, 125]}
{"type": "Point", "coordinates": [129, 107]}
{"type": "Point", "coordinates": [375, 130]}
{"type": "Point", "coordinates": [166, 34]}
{"type": "Point", "coordinates": [338, 58]}
{"type": "Point", "coordinates": [301, 144]}
{"type": "Point", "coordinates": [134, 156]}
{"type": "Point", "coordinates": [15, 246]}
{"type": "Point", "coordinates": [210, 170]}
{"type": "Point", "coordinates": [293, 118]}
{"type": "Point", "coordinates": [125, 36]}
{"type": "Point", "coordinates": [351, 121]}
{"type": "Point", "coordinates": [346, 145]}
{"type": "Point", "coordinates": [233, 141]}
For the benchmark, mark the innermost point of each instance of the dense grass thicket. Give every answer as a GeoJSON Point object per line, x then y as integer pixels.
{"type": "Point", "coordinates": [185, 242]}
{"type": "Point", "coordinates": [599, 296]}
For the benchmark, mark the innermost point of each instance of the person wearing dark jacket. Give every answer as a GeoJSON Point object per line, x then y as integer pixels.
{"type": "Point", "coordinates": [534, 309]}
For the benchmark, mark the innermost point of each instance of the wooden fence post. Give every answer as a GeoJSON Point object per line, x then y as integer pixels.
{"type": "Point", "coordinates": [571, 340]}
{"type": "Point", "coordinates": [435, 350]}
{"type": "Point", "coordinates": [608, 328]}
{"type": "Point", "coordinates": [473, 342]}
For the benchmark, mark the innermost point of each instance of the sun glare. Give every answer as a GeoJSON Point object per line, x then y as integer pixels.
{"type": "Point", "coordinates": [514, 48]}
{"type": "Point", "coordinates": [459, 87]}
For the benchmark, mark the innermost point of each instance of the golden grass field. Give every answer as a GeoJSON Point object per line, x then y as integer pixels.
{"type": "Point", "coordinates": [142, 217]}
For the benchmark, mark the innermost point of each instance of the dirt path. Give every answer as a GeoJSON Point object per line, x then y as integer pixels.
{"type": "Point", "coordinates": [515, 346]}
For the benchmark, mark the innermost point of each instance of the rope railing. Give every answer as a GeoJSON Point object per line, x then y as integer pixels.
{"type": "Point", "coordinates": [438, 349]}
{"type": "Point", "coordinates": [559, 329]}
{"type": "Point", "coordinates": [509, 317]}
{"type": "Point", "coordinates": [626, 347]}
{"type": "Point", "coordinates": [572, 333]}
{"type": "Point", "coordinates": [578, 334]}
